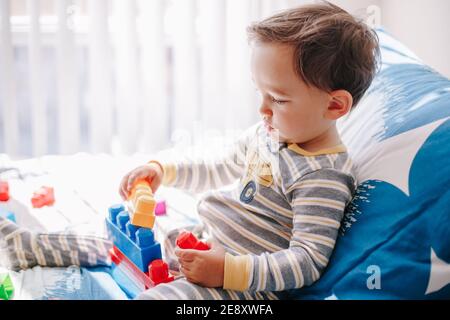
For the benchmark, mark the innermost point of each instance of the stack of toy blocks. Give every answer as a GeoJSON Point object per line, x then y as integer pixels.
{"type": "Point", "coordinates": [135, 252]}
{"type": "Point", "coordinates": [143, 205]}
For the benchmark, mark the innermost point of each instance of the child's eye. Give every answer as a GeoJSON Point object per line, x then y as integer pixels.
{"type": "Point", "coordinates": [277, 101]}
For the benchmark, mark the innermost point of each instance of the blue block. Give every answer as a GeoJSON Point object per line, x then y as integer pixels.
{"type": "Point", "coordinates": [8, 215]}
{"type": "Point", "coordinates": [138, 244]}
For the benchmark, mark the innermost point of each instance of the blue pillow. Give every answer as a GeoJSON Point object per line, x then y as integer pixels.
{"type": "Point", "coordinates": [394, 241]}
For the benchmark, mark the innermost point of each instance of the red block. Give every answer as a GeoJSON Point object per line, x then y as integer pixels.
{"type": "Point", "coordinates": [158, 271]}
{"type": "Point", "coordinates": [4, 191]}
{"type": "Point", "coordinates": [43, 197]}
{"type": "Point", "coordinates": [186, 240]}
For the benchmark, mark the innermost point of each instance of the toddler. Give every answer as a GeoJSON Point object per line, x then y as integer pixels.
{"type": "Point", "coordinates": [276, 229]}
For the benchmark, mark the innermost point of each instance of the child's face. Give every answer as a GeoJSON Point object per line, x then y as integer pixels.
{"type": "Point", "coordinates": [288, 105]}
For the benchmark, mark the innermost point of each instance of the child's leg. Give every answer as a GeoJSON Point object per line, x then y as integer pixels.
{"type": "Point", "coordinates": [181, 289]}
{"type": "Point", "coordinates": [22, 249]}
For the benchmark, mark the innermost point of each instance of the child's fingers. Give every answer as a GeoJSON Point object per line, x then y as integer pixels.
{"type": "Point", "coordinates": [186, 265]}
{"type": "Point", "coordinates": [184, 271]}
{"type": "Point", "coordinates": [186, 254]}
{"type": "Point", "coordinates": [123, 187]}
{"type": "Point", "coordinates": [154, 183]}
{"type": "Point", "coordinates": [132, 179]}
{"type": "Point", "coordinates": [138, 175]}
{"type": "Point", "coordinates": [189, 259]}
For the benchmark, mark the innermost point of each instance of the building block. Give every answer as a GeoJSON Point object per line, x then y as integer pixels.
{"type": "Point", "coordinates": [6, 287]}
{"type": "Point", "coordinates": [4, 191]}
{"type": "Point", "coordinates": [158, 270]}
{"type": "Point", "coordinates": [8, 215]}
{"type": "Point", "coordinates": [160, 208]}
{"type": "Point", "coordinates": [142, 205]}
{"type": "Point", "coordinates": [44, 196]}
{"type": "Point", "coordinates": [143, 220]}
{"type": "Point", "coordinates": [187, 240]}
{"type": "Point", "coordinates": [136, 243]}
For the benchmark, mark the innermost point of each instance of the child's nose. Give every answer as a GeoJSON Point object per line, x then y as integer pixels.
{"type": "Point", "coordinates": [265, 110]}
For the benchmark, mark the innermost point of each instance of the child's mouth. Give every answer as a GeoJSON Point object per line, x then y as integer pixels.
{"type": "Point", "coordinates": [268, 127]}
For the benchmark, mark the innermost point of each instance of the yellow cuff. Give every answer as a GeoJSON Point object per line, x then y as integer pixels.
{"type": "Point", "coordinates": [236, 272]}
{"type": "Point", "coordinates": [169, 172]}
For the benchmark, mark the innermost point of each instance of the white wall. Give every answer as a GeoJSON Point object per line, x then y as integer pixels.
{"type": "Point", "coordinates": [422, 25]}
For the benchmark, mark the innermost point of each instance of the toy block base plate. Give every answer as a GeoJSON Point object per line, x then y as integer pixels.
{"type": "Point", "coordinates": [123, 280]}
{"type": "Point", "coordinates": [140, 280]}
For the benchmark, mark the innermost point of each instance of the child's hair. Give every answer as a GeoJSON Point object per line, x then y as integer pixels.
{"type": "Point", "coordinates": [333, 50]}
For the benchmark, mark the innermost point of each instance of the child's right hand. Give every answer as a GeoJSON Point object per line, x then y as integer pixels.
{"type": "Point", "coordinates": [151, 172]}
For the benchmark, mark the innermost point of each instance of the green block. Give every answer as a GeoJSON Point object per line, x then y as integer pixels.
{"type": "Point", "coordinates": [6, 287]}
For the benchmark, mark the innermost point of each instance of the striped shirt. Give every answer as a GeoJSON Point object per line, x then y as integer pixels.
{"type": "Point", "coordinates": [280, 213]}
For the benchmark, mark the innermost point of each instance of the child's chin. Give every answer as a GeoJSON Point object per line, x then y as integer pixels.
{"type": "Point", "coordinates": [276, 136]}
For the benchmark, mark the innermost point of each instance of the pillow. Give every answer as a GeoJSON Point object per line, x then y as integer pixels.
{"type": "Point", "coordinates": [394, 242]}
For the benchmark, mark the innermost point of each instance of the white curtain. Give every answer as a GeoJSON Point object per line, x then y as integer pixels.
{"type": "Point", "coordinates": [119, 76]}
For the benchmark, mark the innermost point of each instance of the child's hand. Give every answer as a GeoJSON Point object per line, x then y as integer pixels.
{"type": "Point", "coordinates": [203, 267]}
{"type": "Point", "coordinates": [150, 172]}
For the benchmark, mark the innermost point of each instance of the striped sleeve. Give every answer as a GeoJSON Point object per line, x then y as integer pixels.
{"type": "Point", "coordinates": [318, 201]}
{"type": "Point", "coordinates": [200, 173]}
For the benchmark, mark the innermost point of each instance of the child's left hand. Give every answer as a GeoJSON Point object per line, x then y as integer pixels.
{"type": "Point", "coordinates": [203, 267]}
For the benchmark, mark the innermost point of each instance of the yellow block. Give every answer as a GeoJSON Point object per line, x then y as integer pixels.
{"type": "Point", "coordinates": [138, 194]}
{"type": "Point", "coordinates": [144, 204]}
{"type": "Point", "coordinates": [140, 188]}
{"type": "Point", "coordinates": [143, 220]}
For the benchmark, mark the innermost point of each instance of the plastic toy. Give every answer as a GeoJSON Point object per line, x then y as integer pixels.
{"type": "Point", "coordinates": [7, 214]}
{"type": "Point", "coordinates": [142, 205]}
{"type": "Point", "coordinates": [158, 270]}
{"type": "Point", "coordinates": [137, 244]}
{"type": "Point", "coordinates": [6, 287]}
{"type": "Point", "coordinates": [187, 240]}
{"type": "Point", "coordinates": [44, 196]}
{"type": "Point", "coordinates": [160, 208]}
{"type": "Point", "coordinates": [140, 279]}
{"type": "Point", "coordinates": [4, 191]}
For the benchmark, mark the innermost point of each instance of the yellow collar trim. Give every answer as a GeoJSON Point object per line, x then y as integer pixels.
{"type": "Point", "coordinates": [336, 149]}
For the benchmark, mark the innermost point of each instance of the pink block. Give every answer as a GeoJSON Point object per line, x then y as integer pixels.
{"type": "Point", "coordinates": [160, 208]}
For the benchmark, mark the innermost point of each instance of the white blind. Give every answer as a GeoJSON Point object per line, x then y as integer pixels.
{"type": "Point", "coordinates": [100, 102]}
{"type": "Point", "coordinates": [10, 115]}
{"type": "Point", "coordinates": [37, 102]}
{"type": "Point", "coordinates": [68, 100]}
{"type": "Point", "coordinates": [127, 75]}
{"type": "Point", "coordinates": [155, 77]}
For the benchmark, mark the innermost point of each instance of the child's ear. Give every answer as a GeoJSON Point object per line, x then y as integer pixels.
{"type": "Point", "coordinates": [341, 102]}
